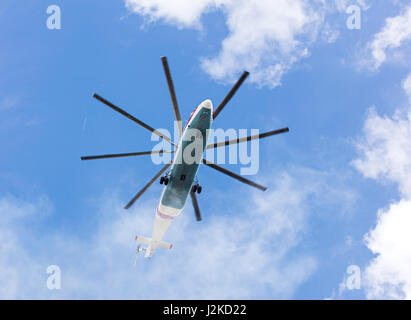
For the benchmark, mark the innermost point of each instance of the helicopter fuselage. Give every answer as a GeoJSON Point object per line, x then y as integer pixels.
{"type": "Point", "coordinates": [182, 173]}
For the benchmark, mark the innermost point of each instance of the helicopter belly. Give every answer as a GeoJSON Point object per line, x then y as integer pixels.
{"type": "Point", "coordinates": [175, 194]}
{"type": "Point", "coordinates": [186, 161]}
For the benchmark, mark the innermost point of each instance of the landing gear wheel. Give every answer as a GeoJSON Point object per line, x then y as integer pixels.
{"type": "Point", "coordinates": [162, 180]}
{"type": "Point", "coordinates": [166, 181]}
{"type": "Point", "coordinates": [194, 188]}
{"type": "Point", "coordinates": [199, 188]}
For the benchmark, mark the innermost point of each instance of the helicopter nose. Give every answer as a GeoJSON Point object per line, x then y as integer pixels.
{"type": "Point", "coordinates": [207, 104]}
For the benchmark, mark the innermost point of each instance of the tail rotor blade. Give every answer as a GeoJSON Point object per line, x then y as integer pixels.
{"type": "Point", "coordinates": [172, 93]}
{"type": "Point", "coordinates": [230, 94]}
{"type": "Point", "coordinates": [148, 185]}
{"type": "Point", "coordinates": [234, 175]}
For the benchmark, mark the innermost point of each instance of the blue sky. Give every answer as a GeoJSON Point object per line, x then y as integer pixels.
{"type": "Point", "coordinates": [339, 165]}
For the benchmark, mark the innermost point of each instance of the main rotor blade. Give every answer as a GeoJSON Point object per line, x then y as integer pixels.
{"type": "Point", "coordinates": [234, 175]}
{"type": "Point", "coordinates": [249, 138]}
{"type": "Point", "coordinates": [195, 205]}
{"type": "Point", "coordinates": [148, 185]}
{"type": "Point", "coordinates": [119, 155]}
{"type": "Point", "coordinates": [230, 94]}
{"type": "Point", "coordinates": [126, 114]}
{"type": "Point", "coordinates": [172, 94]}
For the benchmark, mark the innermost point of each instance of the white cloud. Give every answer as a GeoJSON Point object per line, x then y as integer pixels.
{"type": "Point", "coordinates": [19, 270]}
{"type": "Point", "coordinates": [264, 37]}
{"type": "Point", "coordinates": [182, 13]}
{"type": "Point", "coordinates": [385, 156]}
{"type": "Point", "coordinates": [246, 252]}
{"type": "Point", "coordinates": [329, 34]}
{"type": "Point", "coordinates": [389, 274]}
{"type": "Point", "coordinates": [395, 33]}
{"type": "Point", "coordinates": [386, 148]}
{"type": "Point", "coordinates": [407, 86]}
{"type": "Point", "coordinates": [12, 208]}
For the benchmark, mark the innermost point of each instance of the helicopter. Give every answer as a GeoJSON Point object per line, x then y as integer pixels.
{"type": "Point", "coordinates": [179, 175]}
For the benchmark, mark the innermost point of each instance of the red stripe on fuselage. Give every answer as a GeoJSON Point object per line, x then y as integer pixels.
{"type": "Point", "coordinates": [163, 215]}
{"type": "Point", "coordinates": [190, 118]}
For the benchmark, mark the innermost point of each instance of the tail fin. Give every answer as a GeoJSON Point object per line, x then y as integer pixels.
{"type": "Point", "coordinates": [152, 245]}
